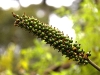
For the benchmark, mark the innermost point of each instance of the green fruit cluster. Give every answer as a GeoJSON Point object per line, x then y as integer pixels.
{"type": "Point", "coordinates": [54, 37]}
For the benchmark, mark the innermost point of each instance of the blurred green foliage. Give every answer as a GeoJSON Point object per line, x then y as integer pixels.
{"type": "Point", "coordinates": [35, 57]}
{"type": "Point", "coordinates": [87, 28]}
{"type": "Point", "coordinates": [29, 61]}
{"type": "Point", "coordinates": [9, 33]}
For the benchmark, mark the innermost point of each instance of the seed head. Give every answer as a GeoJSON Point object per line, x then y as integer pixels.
{"type": "Point", "coordinates": [54, 37]}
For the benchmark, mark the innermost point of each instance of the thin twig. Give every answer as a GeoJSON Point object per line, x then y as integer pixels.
{"type": "Point", "coordinates": [94, 65]}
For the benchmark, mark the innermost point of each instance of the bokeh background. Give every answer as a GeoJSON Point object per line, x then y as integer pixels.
{"type": "Point", "coordinates": [22, 53]}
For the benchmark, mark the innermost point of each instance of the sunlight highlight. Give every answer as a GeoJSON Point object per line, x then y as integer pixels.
{"type": "Point", "coordinates": [59, 3]}
{"type": "Point", "coordinates": [26, 3]}
{"type": "Point", "coordinates": [63, 24]}
{"type": "Point", "coordinates": [7, 4]}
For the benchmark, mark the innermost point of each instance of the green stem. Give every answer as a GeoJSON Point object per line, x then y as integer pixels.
{"type": "Point", "coordinates": [94, 65]}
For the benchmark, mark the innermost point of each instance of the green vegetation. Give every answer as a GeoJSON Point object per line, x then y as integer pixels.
{"type": "Point", "coordinates": [23, 54]}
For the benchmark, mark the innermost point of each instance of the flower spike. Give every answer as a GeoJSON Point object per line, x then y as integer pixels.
{"type": "Point", "coordinates": [54, 37]}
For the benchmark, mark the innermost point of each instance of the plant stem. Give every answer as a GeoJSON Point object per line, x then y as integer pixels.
{"type": "Point", "coordinates": [94, 65]}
